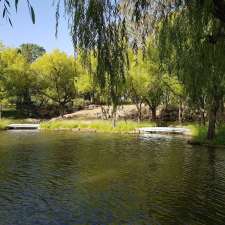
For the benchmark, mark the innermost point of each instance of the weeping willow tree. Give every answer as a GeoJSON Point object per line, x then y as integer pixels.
{"type": "Point", "coordinates": [192, 43]}
{"type": "Point", "coordinates": [191, 37]}
{"type": "Point", "coordinates": [100, 27]}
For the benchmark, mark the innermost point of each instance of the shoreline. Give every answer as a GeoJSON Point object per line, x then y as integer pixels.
{"type": "Point", "coordinates": [195, 134]}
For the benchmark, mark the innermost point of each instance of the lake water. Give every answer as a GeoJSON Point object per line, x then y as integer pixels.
{"type": "Point", "coordinates": [59, 178]}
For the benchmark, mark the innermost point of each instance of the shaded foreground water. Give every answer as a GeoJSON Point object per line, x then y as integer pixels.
{"type": "Point", "coordinates": [104, 179]}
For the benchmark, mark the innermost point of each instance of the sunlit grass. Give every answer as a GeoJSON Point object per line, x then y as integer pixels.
{"type": "Point", "coordinates": [199, 134]}
{"type": "Point", "coordinates": [98, 125]}
{"type": "Point", "coordinates": [4, 123]}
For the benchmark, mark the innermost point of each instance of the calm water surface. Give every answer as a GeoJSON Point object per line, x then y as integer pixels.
{"type": "Point", "coordinates": [68, 178]}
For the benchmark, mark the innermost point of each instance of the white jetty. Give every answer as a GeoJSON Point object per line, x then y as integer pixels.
{"type": "Point", "coordinates": [23, 126]}
{"type": "Point", "coordinates": [164, 130]}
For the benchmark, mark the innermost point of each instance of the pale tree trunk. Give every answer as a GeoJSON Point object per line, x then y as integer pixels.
{"type": "Point", "coordinates": [139, 109]}
{"type": "Point", "coordinates": [105, 112]}
{"type": "Point", "coordinates": [203, 117]}
{"type": "Point", "coordinates": [104, 116]}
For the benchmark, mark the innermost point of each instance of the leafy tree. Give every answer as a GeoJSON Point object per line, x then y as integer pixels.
{"type": "Point", "coordinates": [98, 26]}
{"type": "Point", "coordinates": [56, 74]}
{"type": "Point", "coordinates": [174, 93]}
{"type": "Point", "coordinates": [85, 81]}
{"type": "Point", "coordinates": [155, 87]}
{"type": "Point", "coordinates": [148, 81]}
{"type": "Point", "coordinates": [31, 51]}
{"type": "Point", "coordinates": [17, 81]}
{"type": "Point", "coordinates": [187, 39]}
{"type": "Point", "coordinates": [138, 80]}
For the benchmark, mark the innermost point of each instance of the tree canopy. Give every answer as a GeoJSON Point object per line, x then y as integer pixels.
{"type": "Point", "coordinates": [31, 51]}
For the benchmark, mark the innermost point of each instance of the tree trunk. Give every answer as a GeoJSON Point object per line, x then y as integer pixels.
{"type": "Point", "coordinates": [180, 114]}
{"type": "Point", "coordinates": [153, 112]}
{"type": "Point", "coordinates": [61, 109]}
{"type": "Point", "coordinates": [139, 108]}
{"type": "Point", "coordinates": [103, 113]}
{"type": "Point", "coordinates": [114, 109]}
{"type": "Point", "coordinates": [212, 120]}
{"type": "Point", "coordinates": [203, 117]}
{"type": "Point", "coordinates": [212, 126]}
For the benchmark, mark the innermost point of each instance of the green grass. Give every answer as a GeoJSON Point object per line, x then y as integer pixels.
{"type": "Point", "coordinates": [197, 131]}
{"type": "Point", "coordinates": [98, 125]}
{"type": "Point", "coordinates": [4, 123]}
{"type": "Point", "coordinates": [199, 134]}
{"type": "Point", "coordinates": [220, 136]}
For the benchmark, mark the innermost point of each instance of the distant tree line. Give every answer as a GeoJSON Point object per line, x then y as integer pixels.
{"type": "Point", "coordinates": [41, 84]}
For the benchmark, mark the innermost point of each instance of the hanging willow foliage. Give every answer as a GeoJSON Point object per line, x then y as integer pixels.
{"type": "Point", "coordinates": [192, 45]}
{"type": "Point", "coordinates": [7, 6]}
{"type": "Point", "coordinates": [98, 26]}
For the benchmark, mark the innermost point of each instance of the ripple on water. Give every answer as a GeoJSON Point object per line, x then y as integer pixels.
{"type": "Point", "coordinates": [70, 178]}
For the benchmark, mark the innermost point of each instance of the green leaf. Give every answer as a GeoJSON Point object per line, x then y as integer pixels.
{"type": "Point", "coordinates": [4, 12]}
{"type": "Point", "coordinates": [10, 22]}
{"type": "Point", "coordinates": [7, 2]}
{"type": "Point", "coordinates": [32, 14]}
{"type": "Point", "coordinates": [16, 4]}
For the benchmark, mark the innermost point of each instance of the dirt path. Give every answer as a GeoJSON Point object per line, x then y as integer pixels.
{"type": "Point", "coordinates": [124, 112]}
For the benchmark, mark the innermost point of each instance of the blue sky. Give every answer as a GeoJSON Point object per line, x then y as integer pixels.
{"type": "Point", "coordinates": [41, 33]}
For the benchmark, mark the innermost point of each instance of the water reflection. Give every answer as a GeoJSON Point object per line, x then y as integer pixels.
{"type": "Point", "coordinates": [70, 178]}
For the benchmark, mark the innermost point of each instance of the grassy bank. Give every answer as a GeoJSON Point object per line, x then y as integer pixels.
{"type": "Point", "coordinates": [199, 135]}
{"type": "Point", "coordinates": [197, 132]}
{"type": "Point", "coordinates": [96, 125]}
{"type": "Point", "coordinates": [4, 123]}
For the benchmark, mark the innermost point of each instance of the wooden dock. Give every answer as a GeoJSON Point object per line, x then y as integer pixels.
{"type": "Point", "coordinates": [164, 130]}
{"type": "Point", "coordinates": [23, 126]}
